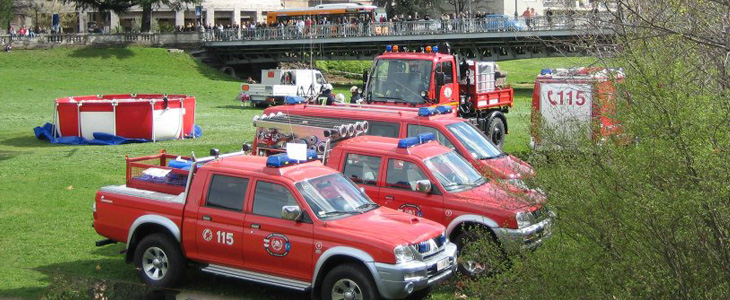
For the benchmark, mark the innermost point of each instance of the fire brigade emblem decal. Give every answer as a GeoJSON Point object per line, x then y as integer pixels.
{"type": "Point", "coordinates": [411, 209]}
{"type": "Point", "coordinates": [277, 244]}
{"type": "Point", "coordinates": [448, 92]}
{"type": "Point", "coordinates": [207, 235]}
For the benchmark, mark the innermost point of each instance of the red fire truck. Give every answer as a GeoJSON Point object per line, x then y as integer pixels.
{"type": "Point", "coordinates": [435, 76]}
{"type": "Point", "coordinates": [570, 104]}
{"type": "Point", "coordinates": [400, 122]}
{"type": "Point", "coordinates": [416, 176]}
{"type": "Point", "coordinates": [289, 223]}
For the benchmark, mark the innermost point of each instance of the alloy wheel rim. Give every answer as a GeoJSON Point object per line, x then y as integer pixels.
{"type": "Point", "coordinates": [155, 263]}
{"type": "Point", "coordinates": [346, 289]}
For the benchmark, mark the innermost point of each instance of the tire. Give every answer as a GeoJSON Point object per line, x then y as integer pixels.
{"type": "Point", "coordinates": [490, 265]}
{"type": "Point", "coordinates": [496, 132]}
{"type": "Point", "coordinates": [420, 294]}
{"type": "Point", "coordinates": [349, 278]}
{"type": "Point", "coordinates": [159, 261]}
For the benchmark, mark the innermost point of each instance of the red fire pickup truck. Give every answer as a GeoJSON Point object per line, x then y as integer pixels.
{"type": "Point", "coordinates": [270, 220]}
{"type": "Point", "coordinates": [451, 131]}
{"type": "Point", "coordinates": [417, 176]}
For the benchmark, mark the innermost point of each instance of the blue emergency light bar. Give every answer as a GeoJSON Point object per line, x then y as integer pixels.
{"type": "Point", "coordinates": [291, 100]}
{"type": "Point", "coordinates": [546, 72]}
{"type": "Point", "coordinates": [389, 48]}
{"type": "Point", "coordinates": [426, 111]}
{"type": "Point", "coordinates": [430, 111]}
{"type": "Point", "coordinates": [283, 160]}
{"type": "Point", "coordinates": [416, 140]}
{"type": "Point", "coordinates": [443, 109]}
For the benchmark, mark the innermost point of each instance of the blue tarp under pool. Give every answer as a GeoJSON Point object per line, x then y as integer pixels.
{"type": "Point", "coordinates": [45, 132]}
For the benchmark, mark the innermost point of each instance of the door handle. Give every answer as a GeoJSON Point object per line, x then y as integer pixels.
{"type": "Point", "coordinates": [255, 226]}
{"type": "Point", "coordinates": [207, 218]}
{"type": "Point", "coordinates": [389, 197]}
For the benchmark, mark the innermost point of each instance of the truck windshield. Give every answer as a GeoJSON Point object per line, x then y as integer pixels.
{"type": "Point", "coordinates": [399, 80]}
{"type": "Point", "coordinates": [474, 141]}
{"type": "Point", "coordinates": [333, 196]}
{"type": "Point", "coordinates": [454, 172]}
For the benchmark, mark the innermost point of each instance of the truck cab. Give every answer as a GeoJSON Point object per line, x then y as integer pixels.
{"type": "Point", "coordinates": [421, 177]}
{"type": "Point", "coordinates": [434, 76]}
{"type": "Point", "coordinates": [275, 220]}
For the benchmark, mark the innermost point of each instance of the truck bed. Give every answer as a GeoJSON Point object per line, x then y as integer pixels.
{"type": "Point", "coordinates": [146, 194]}
{"type": "Point", "coordinates": [119, 206]}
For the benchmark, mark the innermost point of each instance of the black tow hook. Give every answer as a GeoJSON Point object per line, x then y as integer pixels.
{"type": "Point", "coordinates": [104, 242]}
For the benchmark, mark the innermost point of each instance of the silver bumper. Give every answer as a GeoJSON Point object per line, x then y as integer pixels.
{"type": "Point", "coordinates": [526, 238]}
{"type": "Point", "coordinates": [398, 281]}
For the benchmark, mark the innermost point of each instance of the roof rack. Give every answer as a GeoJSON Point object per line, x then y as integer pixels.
{"type": "Point", "coordinates": [275, 130]}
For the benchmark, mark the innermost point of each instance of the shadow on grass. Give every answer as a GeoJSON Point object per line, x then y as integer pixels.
{"type": "Point", "coordinates": [212, 73]}
{"type": "Point", "coordinates": [523, 92]}
{"type": "Point", "coordinates": [241, 107]}
{"type": "Point", "coordinates": [26, 141]}
{"type": "Point", "coordinates": [105, 53]}
{"type": "Point", "coordinates": [81, 280]}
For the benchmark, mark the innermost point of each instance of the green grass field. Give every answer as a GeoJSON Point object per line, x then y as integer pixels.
{"type": "Point", "coordinates": [46, 191]}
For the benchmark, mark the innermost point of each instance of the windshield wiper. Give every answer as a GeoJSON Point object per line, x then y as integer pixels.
{"type": "Point", "coordinates": [339, 212]}
{"type": "Point", "coordinates": [366, 205]}
{"type": "Point", "coordinates": [503, 154]}
{"type": "Point", "coordinates": [395, 99]}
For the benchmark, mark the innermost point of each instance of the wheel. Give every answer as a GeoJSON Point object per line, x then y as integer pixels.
{"type": "Point", "coordinates": [496, 132]}
{"type": "Point", "coordinates": [480, 258]}
{"type": "Point", "coordinates": [349, 282]}
{"type": "Point", "coordinates": [159, 261]}
{"type": "Point", "coordinates": [420, 294]}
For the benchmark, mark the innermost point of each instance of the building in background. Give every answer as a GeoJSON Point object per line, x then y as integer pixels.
{"type": "Point", "coordinates": [39, 13]}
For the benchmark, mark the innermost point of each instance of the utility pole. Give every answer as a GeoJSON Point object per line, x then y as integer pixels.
{"type": "Point", "coordinates": [516, 10]}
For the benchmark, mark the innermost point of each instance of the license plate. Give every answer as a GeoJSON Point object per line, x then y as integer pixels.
{"type": "Point", "coordinates": [442, 264]}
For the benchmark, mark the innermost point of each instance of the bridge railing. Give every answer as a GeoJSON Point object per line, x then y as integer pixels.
{"type": "Point", "coordinates": [406, 28]}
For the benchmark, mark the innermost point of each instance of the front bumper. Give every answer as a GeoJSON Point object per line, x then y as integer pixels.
{"type": "Point", "coordinates": [526, 238]}
{"type": "Point", "coordinates": [398, 281]}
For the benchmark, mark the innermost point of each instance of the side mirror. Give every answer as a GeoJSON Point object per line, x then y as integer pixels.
{"type": "Point", "coordinates": [293, 213]}
{"type": "Point", "coordinates": [365, 76]}
{"type": "Point", "coordinates": [440, 78]}
{"type": "Point", "coordinates": [423, 186]}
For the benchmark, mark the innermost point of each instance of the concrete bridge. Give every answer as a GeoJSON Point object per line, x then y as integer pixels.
{"type": "Point", "coordinates": [503, 39]}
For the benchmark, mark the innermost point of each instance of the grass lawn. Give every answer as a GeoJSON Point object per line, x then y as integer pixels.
{"type": "Point", "coordinates": [46, 241]}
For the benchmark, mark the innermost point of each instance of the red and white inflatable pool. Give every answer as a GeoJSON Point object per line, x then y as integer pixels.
{"type": "Point", "coordinates": [140, 116]}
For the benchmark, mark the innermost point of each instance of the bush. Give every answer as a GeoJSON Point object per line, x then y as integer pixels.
{"type": "Point", "coordinates": [646, 220]}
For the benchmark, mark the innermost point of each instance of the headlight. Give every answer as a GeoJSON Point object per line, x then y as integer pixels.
{"type": "Point", "coordinates": [524, 219]}
{"type": "Point", "coordinates": [403, 254]}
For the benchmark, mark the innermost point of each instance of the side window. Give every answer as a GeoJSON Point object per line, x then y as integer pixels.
{"type": "Point", "coordinates": [269, 198]}
{"type": "Point", "coordinates": [362, 169]}
{"type": "Point", "coordinates": [385, 129]}
{"type": "Point", "coordinates": [227, 192]}
{"type": "Point", "coordinates": [403, 174]}
{"type": "Point", "coordinates": [414, 130]}
{"type": "Point", "coordinates": [448, 70]}
{"type": "Point", "coordinates": [320, 79]}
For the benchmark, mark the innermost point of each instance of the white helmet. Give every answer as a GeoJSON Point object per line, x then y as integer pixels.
{"type": "Point", "coordinates": [353, 89]}
{"type": "Point", "coordinates": [327, 86]}
{"type": "Point", "coordinates": [340, 98]}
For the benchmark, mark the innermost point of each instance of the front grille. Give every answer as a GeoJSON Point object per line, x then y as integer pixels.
{"type": "Point", "coordinates": [431, 247]}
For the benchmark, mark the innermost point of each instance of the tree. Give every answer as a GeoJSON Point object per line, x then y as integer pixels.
{"type": "Point", "coordinates": [646, 220]}
{"type": "Point", "coordinates": [6, 12]}
{"type": "Point", "coordinates": [408, 7]}
{"type": "Point", "coordinates": [121, 6]}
